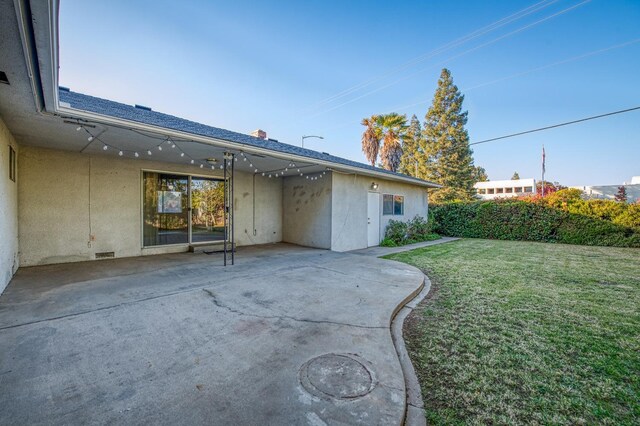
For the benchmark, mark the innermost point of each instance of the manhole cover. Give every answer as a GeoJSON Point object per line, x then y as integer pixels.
{"type": "Point", "coordinates": [340, 376]}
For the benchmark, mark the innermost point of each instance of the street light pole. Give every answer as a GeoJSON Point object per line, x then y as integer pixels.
{"type": "Point", "coordinates": [310, 136]}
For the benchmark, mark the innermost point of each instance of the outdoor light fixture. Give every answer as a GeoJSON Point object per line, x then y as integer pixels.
{"type": "Point", "coordinates": [374, 185]}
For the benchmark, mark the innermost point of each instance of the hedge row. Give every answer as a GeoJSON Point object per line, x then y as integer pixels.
{"type": "Point", "coordinates": [529, 221]}
{"type": "Point", "coordinates": [569, 200]}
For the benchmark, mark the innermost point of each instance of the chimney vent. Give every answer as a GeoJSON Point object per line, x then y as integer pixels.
{"type": "Point", "coordinates": [259, 134]}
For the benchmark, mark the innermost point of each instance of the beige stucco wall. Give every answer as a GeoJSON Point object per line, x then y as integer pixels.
{"type": "Point", "coordinates": [8, 210]}
{"type": "Point", "coordinates": [73, 205]}
{"type": "Point", "coordinates": [307, 211]}
{"type": "Point", "coordinates": [349, 212]}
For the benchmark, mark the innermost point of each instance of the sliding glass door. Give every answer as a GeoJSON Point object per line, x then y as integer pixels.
{"type": "Point", "coordinates": [181, 209]}
{"type": "Point", "coordinates": [207, 210]}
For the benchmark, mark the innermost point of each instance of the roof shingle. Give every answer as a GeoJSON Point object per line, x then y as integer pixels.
{"type": "Point", "coordinates": [127, 112]}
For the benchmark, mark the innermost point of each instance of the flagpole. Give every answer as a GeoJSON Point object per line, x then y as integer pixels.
{"type": "Point", "coordinates": [543, 169]}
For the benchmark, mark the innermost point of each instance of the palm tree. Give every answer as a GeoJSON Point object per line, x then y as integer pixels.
{"type": "Point", "coordinates": [371, 139]}
{"type": "Point", "coordinates": [393, 128]}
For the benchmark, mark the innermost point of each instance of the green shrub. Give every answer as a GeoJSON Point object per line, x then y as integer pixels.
{"type": "Point", "coordinates": [418, 229]}
{"type": "Point", "coordinates": [563, 220]}
{"type": "Point", "coordinates": [388, 242]}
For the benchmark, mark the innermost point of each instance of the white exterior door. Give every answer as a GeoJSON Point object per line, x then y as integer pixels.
{"type": "Point", "coordinates": [373, 219]}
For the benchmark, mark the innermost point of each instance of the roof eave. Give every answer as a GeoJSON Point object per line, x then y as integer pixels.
{"type": "Point", "coordinates": [109, 120]}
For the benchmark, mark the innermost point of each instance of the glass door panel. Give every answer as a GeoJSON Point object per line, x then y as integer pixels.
{"type": "Point", "coordinates": [165, 209]}
{"type": "Point", "coordinates": [207, 210]}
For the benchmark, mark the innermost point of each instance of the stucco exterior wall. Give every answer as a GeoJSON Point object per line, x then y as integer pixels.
{"type": "Point", "coordinates": [73, 205]}
{"type": "Point", "coordinates": [349, 213]}
{"type": "Point", "coordinates": [307, 211]}
{"type": "Point", "coordinates": [8, 210]}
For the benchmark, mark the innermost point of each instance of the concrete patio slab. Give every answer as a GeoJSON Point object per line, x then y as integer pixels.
{"type": "Point", "coordinates": [181, 339]}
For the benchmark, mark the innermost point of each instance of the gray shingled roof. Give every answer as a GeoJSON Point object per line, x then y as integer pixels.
{"type": "Point", "coordinates": [153, 118]}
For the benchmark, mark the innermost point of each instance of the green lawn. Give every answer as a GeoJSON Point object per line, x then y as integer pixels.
{"type": "Point", "coordinates": [527, 333]}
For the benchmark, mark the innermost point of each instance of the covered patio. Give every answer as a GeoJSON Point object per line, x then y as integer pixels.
{"type": "Point", "coordinates": [290, 335]}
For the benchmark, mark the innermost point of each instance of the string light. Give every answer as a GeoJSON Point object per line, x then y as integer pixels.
{"type": "Point", "coordinates": [228, 156]}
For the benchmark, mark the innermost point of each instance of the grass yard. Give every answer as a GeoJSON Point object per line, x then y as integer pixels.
{"type": "Point", "coordinates": [527, 333]}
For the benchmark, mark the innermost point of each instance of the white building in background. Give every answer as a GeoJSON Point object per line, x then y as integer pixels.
{"type": "Point", "coordinates": [608, 192]}
{"type": "Point", "coordinates": [505, 188]}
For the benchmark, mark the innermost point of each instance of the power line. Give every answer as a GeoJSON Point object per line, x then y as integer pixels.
{"type": "Point", "coordinates": [556, 125]}
{"type": "Point", "coordinates": [465, 90]}
{"type": "Point", "coordinates": [495, 40]}
{"type": "Point", "coordinates": [488, 28]}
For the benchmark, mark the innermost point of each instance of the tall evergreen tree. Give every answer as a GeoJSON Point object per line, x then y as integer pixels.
{"type": "Point", "coordinates": [445, 144]}
{"type": "Point", "coordinates": [410, 148]}
{"type": "Point", "coordinates": [515, 176]}
{"type": "Point", "coordinates": [480, 174]}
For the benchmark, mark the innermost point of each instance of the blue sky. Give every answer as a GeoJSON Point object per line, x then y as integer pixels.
{"type": "Point", "coordinates": [285, 66]}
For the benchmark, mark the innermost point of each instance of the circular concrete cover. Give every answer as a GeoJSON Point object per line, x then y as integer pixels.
{"type": "Point", "coordinates": [339, 376]}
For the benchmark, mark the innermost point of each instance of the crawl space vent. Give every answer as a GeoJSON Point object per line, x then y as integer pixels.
{"type": "Point", "coordinates": [105, 255]}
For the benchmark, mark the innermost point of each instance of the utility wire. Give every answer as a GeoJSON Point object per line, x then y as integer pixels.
{"type": "Point", "coordinates": [465, 90]}
{"type": "Point", "coordinates": [488, 28]}
{"type": "Point", "coordinates": [556, 125]}
{"type": "Point", "coordinates": [495, 40]}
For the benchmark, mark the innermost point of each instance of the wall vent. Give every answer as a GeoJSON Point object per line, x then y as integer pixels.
{"type": "Point", "coordinates": [3, 78]}
{"type": "Point", "coordinates": [105, 255]}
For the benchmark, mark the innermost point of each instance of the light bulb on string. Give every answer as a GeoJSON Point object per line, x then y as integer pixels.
{"type": "Point", "coordinates": [135, 154]}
